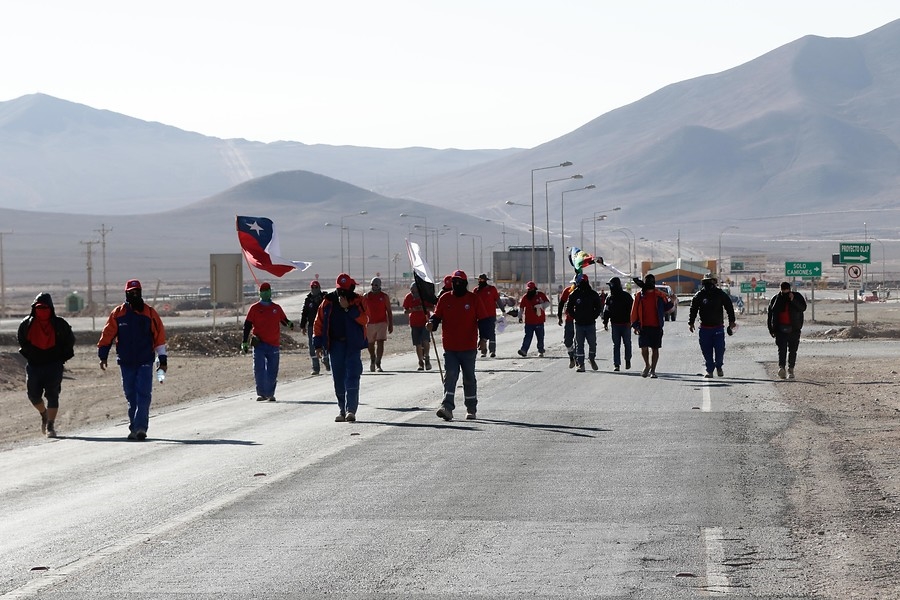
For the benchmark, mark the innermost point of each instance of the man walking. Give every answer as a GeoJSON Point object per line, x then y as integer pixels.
{"type": "Point", "coordinates": [464, 317]}
{"type": "Point", "coordinates": [617, 310]}
{"type": "Point", "coordinates": [533, 310]}
{"type": "Point", "coordinates": [340, 330]}
{"type": "Point", "coordinates": [140, 340]}
{"type": "Point", "coordinates": [584, 306]}
{"type": "Point", "coordinates": [709, 303]}
{"type": "Point", "coordinates": [647, 318]}
{"type": "Point", "coordinates": [417, 311]}
{"type": "Point", "coordinates": [307, 319]}
{"type": "Point", "coordinates": [569, 328]}
{"type": "Point", "coordinates": [490, 297]}
{"type": "Point", "coordinates": [785, 320]}
{"type": "Point", "coordinates": [263, 322]}
{"type": "Point", "coordinates": [381, 322]}
{"type": "Point", "coordinates": [47, 342]}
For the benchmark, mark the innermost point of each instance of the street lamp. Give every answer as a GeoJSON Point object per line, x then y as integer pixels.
{"type": "Point", "coordinates": [632, 254]}
{"type": "Point", "coordinates": [502, 230]}
{"type": "Point", "coordinates": [599, 217]}
{"type": "Point", "coordinates": [562, 223]}
{"type": "Point", "coordinates": [883, 280]}
{"type": "Point", "coordinates": [547, 209]}
{"type": "Point", "coordinates": [456, 230]}
{"type": "Point", "coordinates": [409, 216]}
{"type": "Point", "coordinates": [437, 246]}
{"type": "Point", "coordinates": [585, 220]}
{"type": "Point", "coordinates": [362, 212]}
{"type": "Point", "coordinates": [481, 250]}
{"type": "Point", "coordinates": [719, 264]}
{"type": "Point", "coordinates": [363, 250]}
{"type": "Point", "coordinates": [564, 164]}
{"type": "Point", "coordinates": [388, 251]}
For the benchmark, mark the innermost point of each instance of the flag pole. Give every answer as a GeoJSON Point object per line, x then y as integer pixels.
{"type": "Point", "coordinates": [437, 358]}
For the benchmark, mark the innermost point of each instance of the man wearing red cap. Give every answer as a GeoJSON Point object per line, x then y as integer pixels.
{"type": "Point", "coordinates": [140, 340]}
{"type": "Point", "coordinates": [264, 321]}
{"type": "Point", "coordinates": [47, 342]}
{"type": "Point", "coordinates": [532, 309]}
{"type": "Point", "coordinates": [340, 330]}
{"type": "Point", "coordinates": [569, 329]}
{"type": "Point", "coordinates": [417, 311]}
{"type": "Point", "coordinates": [307, 318]}
{"type": "Point", "coordinates": [490, 297]}
{"type": "Point", "coordinates": [464, 317]}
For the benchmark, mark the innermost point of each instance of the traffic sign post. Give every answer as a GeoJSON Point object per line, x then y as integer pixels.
{"type": "Point", "coordinates": [854, 282]}
{"type": "Point", "coordinates": [803, 269]}
{"type": "Point", "coordinates": [859, 253]}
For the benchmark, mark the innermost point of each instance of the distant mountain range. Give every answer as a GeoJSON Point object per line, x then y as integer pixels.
{"type": "Point", "coordinates": [789, 153]}
{"type": "Point", "coordinates": [60, 156]}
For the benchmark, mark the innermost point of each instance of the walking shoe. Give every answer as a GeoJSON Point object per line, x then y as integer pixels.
{"type": "Point", "coordinates": [593, 364]}
{"type": "Point", "coordinates": [790, 373]}
{"type": "Point", "coordinates": [378, 366]}
{"type": "Point", "coordinates": [260, 398]}
{"type": "Point", "coordinates": [493, 355]}
{"type": "Point", "coordinates": [372, 366]}
{"type": "Point", "coordinates": [421, 366]}
{"type": "Point", "coordinates": [271, 398]}
{"type": "Point", "coordinates": [708, 375]}
{"type": "Point", "coordinates": [351, 417]}
{"type": "Point", "coordinates": [616, 368]}
{"type": "Point", "coordinates": [580, 369]}
{"type": "Point", "coordinates": [652, 374]}
{"type": "Point", "coordinates": [521, 353]}
{"type": "Point", "coordinates": [540, 355]}
{"type": "Point", "coordinates": [132, 435]}
{"type": "Point", "coordinates": [427, 365]}
{"type": "Point", "coordinates": [627, 364]}
{"type": "Point", "coordinates": [51, 429]}
{"type": "Point", "coordinates": [781, 373]}
{"type": "Point", "coordinates": [44, 422]}
{"type": "Point", "coordinates": [483, 353]}
{"type": "Point", "coordinates": [445, 413]}
{"type": "Point", "coordinates": [720, 372]}
{"type": "Point", "coordinates": [340, 418]}
{"type": "Point", "coordinates": [645, 372]}
{"type": "Point", "coordinates": [315, 373]}
{"type": "Point", "coordinates": [140, 434]}
{"type": "Point", "coordinates": [571, 362]}
{"type": "Point", "coordinates": [470, 416]}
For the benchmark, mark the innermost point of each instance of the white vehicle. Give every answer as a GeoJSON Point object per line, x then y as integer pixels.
{"type": "Point", "coordinates": [670, 314]}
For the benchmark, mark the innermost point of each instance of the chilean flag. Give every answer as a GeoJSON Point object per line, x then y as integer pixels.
{"type": "Point", "coordinates": [260, 245]}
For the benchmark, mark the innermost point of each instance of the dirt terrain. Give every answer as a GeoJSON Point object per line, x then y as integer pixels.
{"type": "Point", "coordinates": [842, 446]}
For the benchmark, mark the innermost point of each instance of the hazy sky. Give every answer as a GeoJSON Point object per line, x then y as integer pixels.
{"type": "Point", "coordinates": [395, 73]}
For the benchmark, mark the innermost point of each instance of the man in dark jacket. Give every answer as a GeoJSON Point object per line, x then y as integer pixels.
{"type": "Point", "coordinates": [785, 320]}
{"type": "Point", "coordinates": [308, 318]}
{"type": "Point", "coordinates": [584, 306]}
{"type": "Point", "coordinates": [47, 342]}
{"type": "Point", "coordinates": [340, 330]}
{"type": "Point", "coordinates": [617, 309]}
{"type": "Point", "coordinates": [709, 303]}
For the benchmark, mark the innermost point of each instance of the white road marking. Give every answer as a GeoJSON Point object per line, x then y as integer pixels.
{"type": "Point", "coordinates": [716, 580]}
{"type": "Point", "coordinates": [707, 399]}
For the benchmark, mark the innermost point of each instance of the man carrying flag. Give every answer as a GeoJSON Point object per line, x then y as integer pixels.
{"type": "Point", "coordinates": [259, 244]}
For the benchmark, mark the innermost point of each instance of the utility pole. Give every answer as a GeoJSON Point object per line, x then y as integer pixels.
{"type": "Point", "coordinates": [2, 281]}
{"type": "Point", "coordinates": [103, 231]}
{"type": "Point", "coordinates": [90, 268]}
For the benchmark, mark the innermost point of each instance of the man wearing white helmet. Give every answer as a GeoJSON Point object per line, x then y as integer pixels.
{"type": "Point", "coordinates": [381, 322]}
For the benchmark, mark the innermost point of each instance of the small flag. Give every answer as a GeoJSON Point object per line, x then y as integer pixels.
{"type": "Point", "coordinates": [421, 274]}
{"type": "Point", "coordinates": [259, 243]}
{"type": "Point", "coordinates": [580, 259]}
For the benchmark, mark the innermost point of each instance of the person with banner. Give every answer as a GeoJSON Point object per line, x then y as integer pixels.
{"type": "Point", "coordinates": [340, 330]}
{"type": "Point", "coordinates": [417, 311]}
{"type": "Point", "coordinates": [464, 317]}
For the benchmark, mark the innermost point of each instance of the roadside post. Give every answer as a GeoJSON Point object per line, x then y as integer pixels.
{"type": "Point", "coordinates": [855, 254]}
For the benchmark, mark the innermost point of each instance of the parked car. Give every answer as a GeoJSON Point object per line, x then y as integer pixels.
{"type": "Point", "coordinates": [671, 314]}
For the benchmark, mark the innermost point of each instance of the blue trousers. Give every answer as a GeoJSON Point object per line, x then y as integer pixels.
{"type": "Point", "coordinates": [312, 350]}
{"type": "Point", "coordinates": [137, 382]}
{"type": "Point", "coordinates": [585, 333]}
{"type": "Point", "coordinates": [265, 368]}
{"type": "Point", "coordinates": [346, 369]}
{"type": "Point", "coordinates": [531, 331]}
{"type": "Point", "coordinates": [569, 337]}
{"type": "Point", "coordinates": [712, 344]}
{"type": "Point", "coordinates": [454, 362]}
{"type": "Point", "coordinates": [492, 336]}
{"type": "Point", "coordinates": [621, 336]}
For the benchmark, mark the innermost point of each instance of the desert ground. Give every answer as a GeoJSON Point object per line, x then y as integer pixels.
{"type": "Point", "coordinates": [842, 445]}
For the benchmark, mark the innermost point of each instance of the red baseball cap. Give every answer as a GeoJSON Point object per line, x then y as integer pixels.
{"type": "Point", "coordinates": [344, 281]}
{"type": "Point", "coordinates": [458, 274]}
{"type": "Point", "coordinates": [315, 283]}
{"type": "Point", "coordinates": [133, 284]}
{"type": "Point", "coordinates": [264, 286]}
{"type": "Point", "coordinates": [531, 285]}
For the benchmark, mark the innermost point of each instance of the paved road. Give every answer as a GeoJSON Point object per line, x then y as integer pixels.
{"type": "Point", "coordinates": [568, 485]}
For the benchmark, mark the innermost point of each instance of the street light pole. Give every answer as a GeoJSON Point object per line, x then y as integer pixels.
{"type": "Point", "coordinates": [547, 209]}
{"type": "Point", "coordinates": [719, 263]}
{"type": "Point", "coordinates": [362, 212]}
{"type": "Point", "coordinates": [388, 251]}
{"type": "Point", "coordinates": [633, 252]}
{"type": "Point", "coordinates": [564, 164]}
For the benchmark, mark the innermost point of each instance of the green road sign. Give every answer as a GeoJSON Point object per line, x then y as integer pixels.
{"type": "Point", "coordinates": [856, 253]}
{"type": "Point", "coordinates": [803, 269]}
{"type": "Point", "coordinates": [737, 265]}
{"type": "Point", "coordinates": [751, 287]}
{"type": "Point", "coordinates": [407, 275]}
